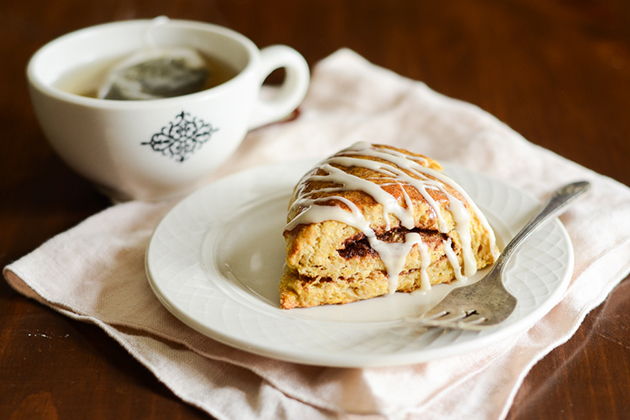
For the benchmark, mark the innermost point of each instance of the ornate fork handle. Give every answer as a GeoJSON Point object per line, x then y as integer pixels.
{"type": "Point", "coordinates": [560, 199]}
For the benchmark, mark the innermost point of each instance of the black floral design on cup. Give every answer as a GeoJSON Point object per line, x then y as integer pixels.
{"type": "Point", "coordinates": [181, 137]}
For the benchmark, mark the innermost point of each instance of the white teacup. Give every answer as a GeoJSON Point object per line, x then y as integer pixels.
{"type": "Point", "coordinates": [161, 148]}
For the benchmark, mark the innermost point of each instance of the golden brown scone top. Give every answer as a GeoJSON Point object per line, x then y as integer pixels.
{"type": "Point", "coordinates": [424, 214]}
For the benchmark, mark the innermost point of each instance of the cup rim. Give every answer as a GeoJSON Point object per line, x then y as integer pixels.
{"type": "Point", "coordinates": [36, 82]}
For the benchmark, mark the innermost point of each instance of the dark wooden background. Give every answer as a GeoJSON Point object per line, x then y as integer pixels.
{"type": "Point", "coordinates": [557, 71]}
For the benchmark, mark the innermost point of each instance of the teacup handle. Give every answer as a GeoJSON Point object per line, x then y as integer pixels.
{"type": "Point", "coordinates": [292, 91]}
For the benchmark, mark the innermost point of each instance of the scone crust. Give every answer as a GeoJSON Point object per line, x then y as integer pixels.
{"type": "Point", "coordinates": [330, 262]}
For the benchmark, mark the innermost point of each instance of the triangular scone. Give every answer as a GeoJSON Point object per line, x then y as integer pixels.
{"type": "Point", "coordinates": [372, 220]}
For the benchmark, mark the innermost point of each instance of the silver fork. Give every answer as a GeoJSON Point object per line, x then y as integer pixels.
{"type": "Point", "coordinates": [487, 303]}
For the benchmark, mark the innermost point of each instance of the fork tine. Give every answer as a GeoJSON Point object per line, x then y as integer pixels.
{"type": "Point", "coordinates": [474, 319]}
{"type": "Point", "coordinates": [445, 308]}
{"type": "Point", "coordinates": [435, 315]}
{"type": "Point", "coordinates": [469, 319]}
{"type": "Point", "coordinates": [447, 316]}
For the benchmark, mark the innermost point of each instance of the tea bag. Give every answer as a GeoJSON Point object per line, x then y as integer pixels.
{"type": "Point", "coordinates": [155, 73]}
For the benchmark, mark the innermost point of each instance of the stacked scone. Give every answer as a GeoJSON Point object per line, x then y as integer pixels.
{"type": "Point", "coordinates": [373, 220]}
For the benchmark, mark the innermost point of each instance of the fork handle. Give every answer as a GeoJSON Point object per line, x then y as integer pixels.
{"type": "Point", "coordinates": [554, 206]}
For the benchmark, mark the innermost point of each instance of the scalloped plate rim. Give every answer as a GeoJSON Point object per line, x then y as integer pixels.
{"type": "Point", "coordinates": [340, 359]}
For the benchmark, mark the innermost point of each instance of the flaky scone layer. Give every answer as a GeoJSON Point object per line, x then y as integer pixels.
{"type": "Point", "coordinates": [300, 291]}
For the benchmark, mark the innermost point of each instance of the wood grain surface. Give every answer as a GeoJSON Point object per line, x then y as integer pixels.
{"type": "Point", "coordinates": [556, 71]}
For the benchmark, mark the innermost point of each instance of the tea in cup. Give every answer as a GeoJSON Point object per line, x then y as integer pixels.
{"type": "Point", "coordinates": [148, 109]}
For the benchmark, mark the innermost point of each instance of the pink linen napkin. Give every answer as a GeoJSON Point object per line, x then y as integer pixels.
{"type": "Point", "coordinates": [95, 271]}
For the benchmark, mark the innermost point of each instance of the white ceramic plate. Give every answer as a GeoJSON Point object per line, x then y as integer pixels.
{"type": "Point", "coordinates": [216, 259]}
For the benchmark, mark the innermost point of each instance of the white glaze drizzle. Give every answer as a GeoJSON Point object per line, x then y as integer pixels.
{"type": "Point", "coordinates": [462, 225]}
{"type": "Point", "coordinates": [425, 259]}
{"type": "Point", "coordinates": [394, 254]}
{"type": "Point", "coordinates": [452, 258]}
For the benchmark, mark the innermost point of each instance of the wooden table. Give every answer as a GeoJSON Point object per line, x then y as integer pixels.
{"type": "Point", "coordinates": [556, 71]}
